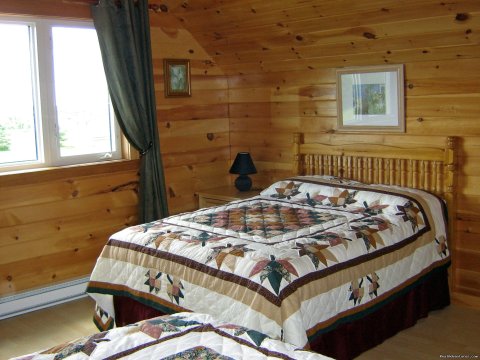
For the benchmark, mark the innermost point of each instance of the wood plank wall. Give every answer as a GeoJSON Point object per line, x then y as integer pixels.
{"type": "Point", "coordinates": [53, 224]}
{"type": "Point", "coordinates": [281, 58]}
{"type": "Point", "coordinates": [194, 131]}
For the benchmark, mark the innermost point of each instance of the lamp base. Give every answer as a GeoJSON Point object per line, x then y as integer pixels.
{"type": "Point", "coordinates": [243, 183]}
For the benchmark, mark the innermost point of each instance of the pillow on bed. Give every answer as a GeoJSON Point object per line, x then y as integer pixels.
{"type": "Point", "coordinates": [298, 186]}
{"type": "Point", "coordinates": [336, 192]}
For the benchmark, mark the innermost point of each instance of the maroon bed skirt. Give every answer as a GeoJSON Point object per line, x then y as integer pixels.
{"type": "Point", "coordinates": [352, 336]}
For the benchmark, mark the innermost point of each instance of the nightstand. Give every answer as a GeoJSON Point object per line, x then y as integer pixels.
{"type": "Point", "coordinates": [223, 195]}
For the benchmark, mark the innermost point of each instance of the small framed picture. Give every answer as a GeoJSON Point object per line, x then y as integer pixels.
{"type": "Point", "coordinates": [371, 98]}
{"type": "Point", "coordinates": [177, 77]}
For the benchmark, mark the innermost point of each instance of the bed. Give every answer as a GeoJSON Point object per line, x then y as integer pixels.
{"type": "Point", "coordinates": [336, 259]}
{"type": "Point", "coordinates": [177, 336]}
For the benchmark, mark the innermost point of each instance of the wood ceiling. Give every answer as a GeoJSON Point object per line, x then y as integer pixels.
{"type": "Point", "coordinates": [256, 35]}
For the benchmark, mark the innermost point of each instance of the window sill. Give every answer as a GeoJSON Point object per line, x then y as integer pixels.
{"type": "Point", "coordinates": [21, 177]}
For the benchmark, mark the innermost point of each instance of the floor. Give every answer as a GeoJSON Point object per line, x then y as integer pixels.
{"type": "Point", "coordinates": [451, 333]}
{"type": "Point", "coordinates": [46, 328]}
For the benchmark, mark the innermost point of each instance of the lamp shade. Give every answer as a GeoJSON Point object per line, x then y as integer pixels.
{"type": "Point", "coordinates": [243, 164]}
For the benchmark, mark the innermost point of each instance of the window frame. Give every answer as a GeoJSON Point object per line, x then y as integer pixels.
{"type": "Point", "coordinates": [43, 83]}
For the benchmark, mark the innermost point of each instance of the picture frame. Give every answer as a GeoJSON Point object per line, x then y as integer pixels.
{"type": "Point", "coordinates": [371, 99]}
{"type": "Point", "coordinates": [177, 77]}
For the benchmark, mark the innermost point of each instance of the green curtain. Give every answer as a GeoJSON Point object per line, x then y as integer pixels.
{"type": "Point", "coordinates": [123, 31]}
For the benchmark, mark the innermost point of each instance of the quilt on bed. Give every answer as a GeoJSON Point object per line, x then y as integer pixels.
{"type": "Point", "coordinates": [178, 336]}
{"type": "Point", "coordinates": [307, 254]}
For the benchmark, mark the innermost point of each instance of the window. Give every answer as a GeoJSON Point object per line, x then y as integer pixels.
{"type": "Point", "coordinates": [54, 103]}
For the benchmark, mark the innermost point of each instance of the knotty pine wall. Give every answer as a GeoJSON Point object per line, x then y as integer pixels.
{"type": "Point", "coordinates": [281, 56]}
{"type": "Point", "coordinates": [194, 131]}
{"type": "Point", "coordinates": [54, 223]}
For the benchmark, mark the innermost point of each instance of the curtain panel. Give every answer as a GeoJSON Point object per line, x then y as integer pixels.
{"type": "Point", "coordinates": [123, 31]}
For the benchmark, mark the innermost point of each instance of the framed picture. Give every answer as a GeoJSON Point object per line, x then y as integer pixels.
{"type": "Point", "coordinates": [177, 77]}
{"type": "Point", "coordinates": [371, 99]}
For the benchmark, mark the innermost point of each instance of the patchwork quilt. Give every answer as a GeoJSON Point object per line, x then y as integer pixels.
{"type": "Point", "coordinates": [305, 255]}
{"type": "Point", "coordinates": [179, 336]}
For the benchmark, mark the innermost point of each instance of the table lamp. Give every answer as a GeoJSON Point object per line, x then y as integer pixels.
{"type": "Point", "coordinates": [243, 166]}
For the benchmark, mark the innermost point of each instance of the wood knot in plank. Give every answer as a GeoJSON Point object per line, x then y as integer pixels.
{"type": "Point", "coordinates": [369, 35]}
{"type": "Point", "coordinates": [131, 185]}
{"type": "Point", "coordinates": [158, 8]}
{"type": "Point", "coordinates": [462, 17]}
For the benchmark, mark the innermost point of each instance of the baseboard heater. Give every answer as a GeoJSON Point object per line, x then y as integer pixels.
{"type": "Point", "coordinates": [42, 298]}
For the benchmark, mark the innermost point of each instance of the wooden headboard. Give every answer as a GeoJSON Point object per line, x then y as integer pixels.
{"type": "Point", "coordinates": [427, 163]}
{"type": "Point", "coordinates": [427, 167]}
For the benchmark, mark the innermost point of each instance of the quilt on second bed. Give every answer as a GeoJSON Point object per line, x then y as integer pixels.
{"type": "Point", "coordinates": [175, 337]}
{"type": "Point", "coordinates": [306, 254]}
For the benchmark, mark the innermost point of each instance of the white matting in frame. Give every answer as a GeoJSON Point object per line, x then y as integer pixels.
{"type": "Point", "coordinates": [371, 98]}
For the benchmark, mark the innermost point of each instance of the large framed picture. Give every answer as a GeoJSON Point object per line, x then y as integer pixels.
{"type": "Point", "coordinates": [371, 99]}
{"type": "Point", "coordinates": [177, 77]}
